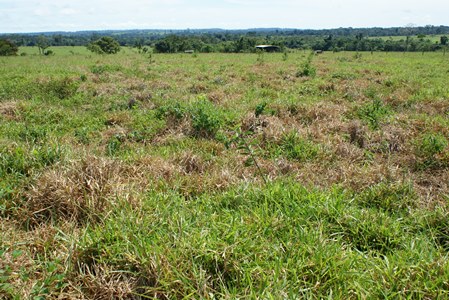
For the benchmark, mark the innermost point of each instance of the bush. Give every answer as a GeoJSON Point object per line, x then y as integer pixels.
{"type": "Point", "coordinates": [205, 120]}
{"type": "Point", "coordinates": [7, 48]}
{"type": "Point", "coordinates": [104, 45]}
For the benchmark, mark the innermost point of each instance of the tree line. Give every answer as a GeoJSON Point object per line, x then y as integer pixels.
{"type": "Point", "coordinates": [216, 40]}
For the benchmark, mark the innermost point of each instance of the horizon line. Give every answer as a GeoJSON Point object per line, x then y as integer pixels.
{"type": "Point", "coordinates": [217, 28]}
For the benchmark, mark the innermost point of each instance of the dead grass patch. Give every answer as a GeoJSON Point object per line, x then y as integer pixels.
{"type": "Point", "coordinates": [191, 163]}
{"type": "Point", "coordinates": [353, 90]}
{"type": "Point", "coordinates": [105, 90]}
{"type": "Point", "coordinates": [10, 110]}
{"type": "Point", "coordinates": [118, 118]}
{"type": "Point", "coordinates": [83, 191]}
{"type": "Point", "coordinates": [190, 174]}
{"type": "Point", "coordinates": [102, 282]}
{"type": "Point", "coordinates": [433, 108]}
{"type": "Point", "coordinates": [28, 275]}
{"type": "Point", "coordinates": [216, 97]}
{"type": "Point", "coordinates": [432, 188]}
{"type": "Point", "coordinates": [357, 133]}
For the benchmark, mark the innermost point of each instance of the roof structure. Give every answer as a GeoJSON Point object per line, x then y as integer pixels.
{"type": "Point", "coordinates": [269, 48]}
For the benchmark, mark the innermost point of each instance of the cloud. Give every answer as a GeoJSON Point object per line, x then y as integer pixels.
{"type": "Point", "coordinates": [68, 11]}
{"type": "Point", "coordinates": [55, 15]}
{"type": "Point", "coordinates": [42, 12]}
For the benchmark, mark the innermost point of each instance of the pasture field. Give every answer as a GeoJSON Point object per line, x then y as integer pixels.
{"type": "Point", "coordinates": [210, 176]}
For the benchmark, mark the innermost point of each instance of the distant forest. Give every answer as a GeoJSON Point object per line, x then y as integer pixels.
{"type": "Point", "coordinates": [219, 40]}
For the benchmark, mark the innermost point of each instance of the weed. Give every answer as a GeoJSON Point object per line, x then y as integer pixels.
{"type": "Point", "coordinates": [246, 148]}
{"type": "Point", "coordinates": [357, 134]}
{"type": "Point", "coordinates": [51, 285]}
{"type": "Point", "coordinates": [206, 120]}
{"type": "Point", "coordinates": [61, 88]}
{"type": "Point", "coordinates": [381, 235]}
{"type": "Point", "coordinates": [294, 147]}
{"type": "Point", "coordinates": [285, 55]}
{"type": "Point", "coordinates": [114, 144]}
{"type": "Point", "coordinates": [307, 70]}
{"type": "Point", "coordinates": [260, 108]}
{"type": "Point", "coordinates": [431, 151]}
{"type": "Point", "coordinates": [374, 113]}
{"type": "Point", "coordinates": [357, 56]}
{"type": "Point", "coordinates": [100, 69]}
{"type": "Point", "coordinates": [437, 223]}
{"type": "Point", "coordinates": [174, 111]}
{"type": "Point", "coordinates": [260, 57]}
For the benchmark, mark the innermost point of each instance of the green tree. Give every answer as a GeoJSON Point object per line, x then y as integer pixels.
{"type": "Point", "coordinates": [7, 48]}
{"type": "Point", "coordinates": [42, 44]}
{"type": "Point", "coordinates": [104, 45]}
{"type": "Point", "coordinates": [444, 40]}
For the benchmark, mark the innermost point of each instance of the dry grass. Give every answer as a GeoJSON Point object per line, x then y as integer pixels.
{"type": "Point", "coordinates": [82, 191]}
{"type": "Point", "coordinates": [9, 110]}
{"type": "Point", "coordinates": [24, 251]}
{"type": "Point", "coordinates": [102, 282]}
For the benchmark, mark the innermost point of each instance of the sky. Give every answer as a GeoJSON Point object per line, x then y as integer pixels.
{"type": "Point", "coordinates": [74, 15]}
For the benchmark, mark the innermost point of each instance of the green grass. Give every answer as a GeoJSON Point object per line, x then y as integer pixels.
{"type": "Point", "coordinates": [224, 175]}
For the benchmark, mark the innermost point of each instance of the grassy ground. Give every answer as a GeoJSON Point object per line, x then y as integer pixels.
{"type": "Point", "coordinates": [224, 175]}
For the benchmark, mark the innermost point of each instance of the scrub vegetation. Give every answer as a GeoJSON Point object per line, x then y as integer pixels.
{"type": "Point", "coordinates": [208, 176]}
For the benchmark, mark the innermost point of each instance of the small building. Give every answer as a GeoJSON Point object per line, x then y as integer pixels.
{"type": "Point", "coordinates": [189, 51]}
{"type": "Point", "coordinates": [268, 48]}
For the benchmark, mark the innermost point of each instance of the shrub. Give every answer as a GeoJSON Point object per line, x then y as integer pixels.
{"type": "Point", "coordinates": [7, 48]}
{"type": "Point", "coordinates": [104, 45]}
{"type": "Point", "coordinates": [205, 119]}
{"type": "Point", "coordinates": [373, 113]}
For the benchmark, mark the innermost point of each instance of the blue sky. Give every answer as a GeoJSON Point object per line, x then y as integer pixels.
{"type": "Point", "coordinates": [63, 15]}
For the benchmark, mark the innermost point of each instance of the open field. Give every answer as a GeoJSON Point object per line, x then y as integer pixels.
{"type": "Point", "coordinates": [212, 176]}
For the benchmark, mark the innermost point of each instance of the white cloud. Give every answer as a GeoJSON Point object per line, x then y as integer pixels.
{"type": "Point", "coordinates": [54, 15]}
{"type": "Point", "coordinates": [68, 11]}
